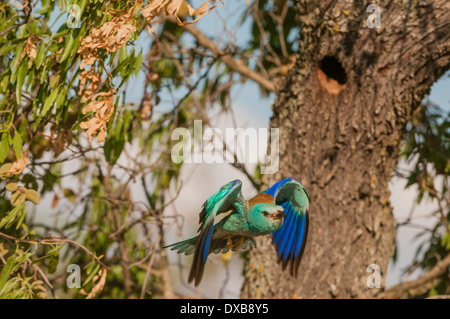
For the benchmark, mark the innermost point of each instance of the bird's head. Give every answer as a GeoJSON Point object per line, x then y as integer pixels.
{"type": "Point", "coordinates": [264, 215]}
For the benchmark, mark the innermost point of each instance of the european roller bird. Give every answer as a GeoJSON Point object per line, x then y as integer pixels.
{"type": "Point", "coordinates": [282, 210]}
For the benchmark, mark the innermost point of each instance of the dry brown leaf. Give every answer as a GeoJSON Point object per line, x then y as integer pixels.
{"type": "Point", "coordinates": [199, 12]}
{"type": "Point", "coordinates": [174, 8]}
{"type": "Point", "coordinates": [154, 9]}
{"type": "Point", "coordinates": [146, 111]}
{"type": "Point", "coordinates": [103, 110]}
{"type": "Point", "coordinates": [16, 167]}
{"type": "Point", "coordinates": [29, 50]}
{"type": "Point", "coordinates": [99, 281]}
{"type": "Point", "coordinates": [183, 9]}
{"type": "Point", "coordinates": [111, 36]}
{"type": "Point", "coordinates": [94, 79]}
{"type": "Point", "coordinates": [154, 77]}
{"type": "Point", "coordinates": [55, 201]}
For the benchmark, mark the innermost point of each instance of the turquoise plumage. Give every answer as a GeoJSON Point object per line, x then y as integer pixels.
{"type": "Point", "coordinates": [281, 210]}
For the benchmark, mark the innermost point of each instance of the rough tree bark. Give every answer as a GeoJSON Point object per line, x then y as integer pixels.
{"type": "Point", "coordinates": [342, 113]}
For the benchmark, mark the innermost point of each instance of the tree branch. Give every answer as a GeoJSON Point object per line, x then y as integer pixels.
{"type": "Point", "coordinates": [227, 59]}
{"type": "Point", "coordinates": [44, 277]}
{"type": "Point", "coordinates": [56, 240]}
{"type": "Point", "coordinates": [419, 286]}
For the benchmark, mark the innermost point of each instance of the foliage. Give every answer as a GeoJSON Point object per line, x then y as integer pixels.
{"type": "Point", "coordinates": [427, 146]}
{"type": "Point", "coordinates": [63, 84]}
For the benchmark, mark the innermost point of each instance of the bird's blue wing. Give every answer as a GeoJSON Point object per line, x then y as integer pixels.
{"type": "Point", "coordinates": [290, 239]}
{"type": "Point", "coordinates": [228, 197]}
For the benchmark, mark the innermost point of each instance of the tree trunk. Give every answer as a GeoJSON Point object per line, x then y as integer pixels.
{"type": "Point", "coordinates": [342, 114]}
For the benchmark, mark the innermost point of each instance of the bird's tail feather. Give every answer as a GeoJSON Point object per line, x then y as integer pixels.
{"type": "Point", "coordinates": [186, 246]}
{"type": "Point", "coordinates": [217, 245]}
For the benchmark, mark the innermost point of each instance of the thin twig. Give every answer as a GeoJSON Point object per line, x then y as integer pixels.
{"type": "Point", "coordinates": [57, 142]}
{"type": "Point", "coordinates": [44, 277]}
{"type": "Point", "coordinates": [55, 240]}
{"type": "Point", "coordinates": [147, 273]}
{"type": "Point", "coordinates": [236, 65]}
{"type": "Point", "coordinates": [421, 285]}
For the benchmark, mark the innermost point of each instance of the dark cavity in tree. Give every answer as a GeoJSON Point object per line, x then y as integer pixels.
{"type": "Point", "coordinates": [333, 69]}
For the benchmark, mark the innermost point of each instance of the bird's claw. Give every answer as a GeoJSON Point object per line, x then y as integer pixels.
{"type": "Point", "coordinates": [238, 243]}
{"type": "Point", "coordinates": [229, 243]}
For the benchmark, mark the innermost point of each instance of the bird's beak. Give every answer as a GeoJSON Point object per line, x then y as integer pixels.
{"type": "Point", "coordinates": [279, 214]}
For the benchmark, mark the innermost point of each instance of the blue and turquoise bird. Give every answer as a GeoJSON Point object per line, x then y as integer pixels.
{"type": "Point", "coordinates": [282, 210]}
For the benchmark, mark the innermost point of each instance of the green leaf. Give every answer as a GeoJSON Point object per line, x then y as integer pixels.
{"type": "Point", "coordinates": [5, 50]}
{"type": "Point", "coordinates": [44, 76]}
{"type": "Point", "coordinates": [4, 147]}
{"type": "Point", "coordinates": [49, 101]}
{"type": "Point", "coordinates": [46, 7]}
{"type": "Point", "coordinates": [119, 67]}
{"type": "Point", "coordinates": [17, 198]}
{"type": "Point", "coordinates": [82, 5]}
{"type": "Point", "coordinates": [15, 63]}
{"type": "Point", "coordinates": [22, 30]}
{"type": "Point", "coordinates": [445, 241]}
{"type": "Point", "coordinates": [12, 187]}
{"type": "Point", "coordinates": [61, 33]}
{"type": "Point", "coordinates": [17, 144]}
{"type": "Point", "coordinates": [22, 73]}
{"type": "Point", "coordinates": [5, 167]}
{"type": "Point", "coordinates": [21, 219]}
{"type": "Point", "coordinates": [433, 292]}
{"type": "Point", "coordinates": [54, 80]}
{"type": "Point", "coordinates": [9, 219]}
{"type": "Point", "coordinates": [4, 83]}
{"type": "Point", "coordinates": [53, 262]}
{"type": "Point", "coordinates": [61, 98]}
{"type": "Point", "coordinates": [91, 275]}
{"type": "Point", "coordinates": [70, 194]}
{"type": "Point", "coordinates": [138, 64]}
{"type": "Point", "coordinates": [32, 196]}
{"type": "Point", "coordinates": [115, 141]}
{"type": "Point", "coordinates": [61, 4]}
{"type": "Point", "coordinates": [68, 48]}
{"type": "Point", "coordinates": [40, 56]}
{"type": "Point", "coordinates": [122, 54]}
{"type": "Point", "coordinates": [6, 271]}
{"type": "Point", "coordinates": [113, 148]}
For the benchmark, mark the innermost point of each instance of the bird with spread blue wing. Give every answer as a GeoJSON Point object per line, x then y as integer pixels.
{"type": "Point", "coordinates": [282, 210]}
{"type": "Point", "coordinates": [290, 239]}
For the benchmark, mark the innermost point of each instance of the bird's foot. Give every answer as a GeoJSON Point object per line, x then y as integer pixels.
{"type": "Point", "coordinates": [238, 243]}
{"type": "Point", "coordinates": [229, 242]}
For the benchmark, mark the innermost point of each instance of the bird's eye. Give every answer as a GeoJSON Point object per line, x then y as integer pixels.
{"type": "Point", "coordinates": [265, 214]}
